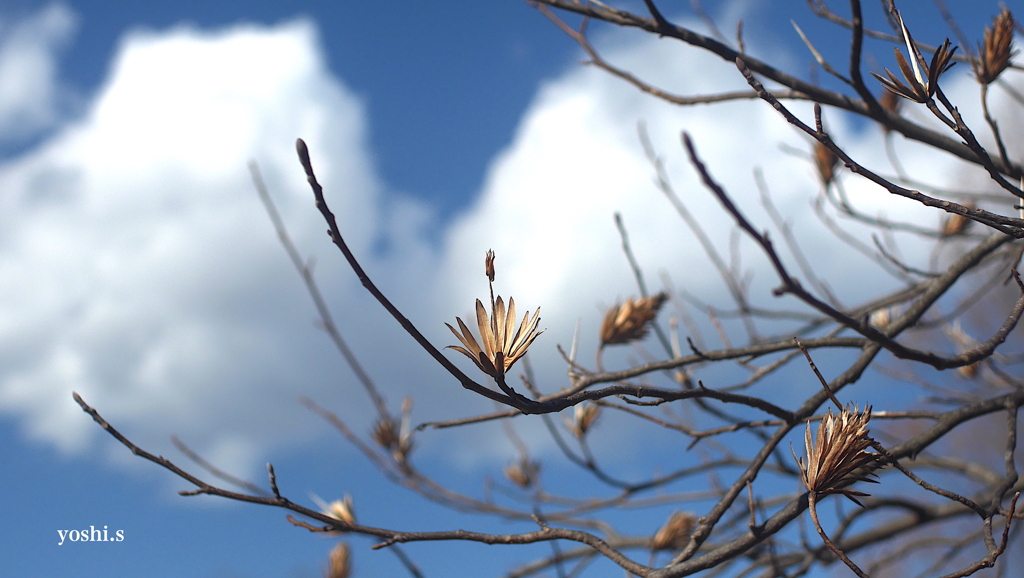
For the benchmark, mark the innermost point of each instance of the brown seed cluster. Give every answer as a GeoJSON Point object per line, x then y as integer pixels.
{"type": "Point", "coordinates": [955, 223]}
{"type": "Point", "coordinates": [339, 562]}
{"type": "Point", "coordinates": [630, 320]}
{"type": "Point", "coordinates": [489, 265]}
{"type": "Point", "coordinates": [583, 417]}
{"type": "Point", "coordinates": [503, 344]}
{"type": "Point", "coordinates": [826, 161]}
{"type": "Point", "coordinates": [342, 510]}
{"type": "Point", "coordinates": [523, 472]}
{"type": "Point", "coordinates": [390, 435]}
{"type": "Point", "coordinates": [995, 52]}
{"type": "Point", "coordinates": [837, 453]}
{"type": "Point", "coordinates": [918, 88]}
{"type": "Point", "coordinates": [675, 534]}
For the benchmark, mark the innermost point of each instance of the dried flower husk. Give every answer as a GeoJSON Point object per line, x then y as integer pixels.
{"type": "Point", "coordinates": [503, 345]}
{"type": "Point", "coordinates": [880, 318]}
{"type": "Point", "coordinates": [955, 223]}
{"type": "Point", "coordinates": [489, 265]}
{"type": "Point", "coordinates": [837, 454]}
{"type": "Point", "coordinates": [675, 534]}
{"type": "Point", "coordinates": [583, 417]}
{"type": "Point", "coordinates": [995, 52]}
{"type": "Point", "coordinates": [394, 436]}
{"type": "Point", "coordinates": [890, 101]}
{"type": "Point", "coordinates": [918, 88]}
{"type": "Point", "coordinates": [523, 472]}
{"type": "Point", "coordinates": [630, 320]}
{"type": "Point", "coordinates": [342, 510]}
{"type": "Point", "coordinates": [826, 161]}
{"type": "Point", "coordinates": [339, 562]}
{"type": "Point", "coordinates": [968, 371]}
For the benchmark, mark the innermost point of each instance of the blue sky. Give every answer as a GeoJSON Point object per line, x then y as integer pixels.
{"type": "Point", "coordinates": [140, 270]}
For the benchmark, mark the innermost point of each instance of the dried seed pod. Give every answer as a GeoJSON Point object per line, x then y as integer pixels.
{"type": "Point", "coordinates": [339, 562]}
{"type": "Point", "coordinates": [880, 318]}
{"type": "Point", "coordinates": [489, 265]}
{"type": "Point", "coordinates": [385, 433]}
{"type": "Point", "coordinates": [890, 101]}
{"type": "Point", "coordinates": [503, 345]}
{"type": "Point", "coordinates": [630, 320]}
{"type": "Point", "coordinates": [342, 510]}
{"type": "Point", "coordinates": [917, 88]}
{"type": "Point", "coordinates": [583, 417]}
{"type": "Point", "coordinates": [955, 223]}
{"type": "Point", "coordinates": [826, 161]}
{"type": "Point", "coordinates": [995, 52]}
{"type": "Point", "coordinates": [523, 473]}
{"type": "Point", "coordinates": [394, 437]}
{"type": "Point", "coordinates": [675, 534]}
{"type": "Point", "coordinates": [968, 371]}
{"type": "Point", "coordinates": [837, 453]}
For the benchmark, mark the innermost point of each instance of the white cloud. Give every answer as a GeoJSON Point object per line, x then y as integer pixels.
{"type": "Point", "coordinates": [30, 94]}
{"type": "Point", "coordinates": [148, 277]}
{"type": "Point", "coordinates": [548, 203]}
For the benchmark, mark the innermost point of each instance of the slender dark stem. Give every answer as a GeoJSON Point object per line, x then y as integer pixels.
{"type": "Point", "coordinates": [338, 240]}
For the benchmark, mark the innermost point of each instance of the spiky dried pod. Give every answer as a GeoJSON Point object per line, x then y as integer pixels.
{"type": "Point", "coordinates": [342, 510]}
{"type": "Point", "coordinates": [995, 52]}
{"type": "Point", "coordinates": [837, 454]}
{"type": "Point", "coordinates": [880, 318]}
{"type": "Point", "coordinates": [339, 562]}
{"type": "Point", "coordinates": [386, 433]}
{"type": "Point", "coordinates": [503, 345]}
{"type": "Point", "coordinates": [826, 161]}
{"type": "Point", "coordinates": [583, 417]}
{"type": "Point", "coordinates": [675, 534]}
{"type": "Point", "coordinates": [955, 223]}
{"type": "Point", "coordinates": [917, 88]}
{"type": "Point", "coordinates": [630, 320]}
{"type": "Point", "coordinates": [394, 437]}
{"type": "Point", "coordinates": [523, 473]}
{"type": "Point", "coordinates": [890, 101]}
{"type": "Point", "coordinates": [968, 371]}
{"type": "Point", "coordinates": [489, 265]}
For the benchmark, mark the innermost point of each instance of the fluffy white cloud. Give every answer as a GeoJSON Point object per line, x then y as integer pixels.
{"type": "Point", "coordinates": [147, 276]}
{"type": "Point", "coordinates": [548, 204]}
{"type": "Point", "coordinates": [30, 94]}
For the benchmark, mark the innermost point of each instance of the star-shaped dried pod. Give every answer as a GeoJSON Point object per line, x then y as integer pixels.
{"type": "Point", "coordinates": [917, 88]}
{"type": "Point", "coordinates": [630, 320]}
{"type": "Point", "coordinates": [837, 454]}
{"type": "Point", "coordinates": [675, 534]}
{"type": "Point", "coordinates": [995, 52]}
{"type": "Point", "coordinates": [394, 436]}
{"type": "Point", "coordinates": [503, 345]}
{"type": "Point", "coordinates": [342, 510]}
{"type": "Point", "coordinates": [523, 472]}
{"type": "Point", "coordinates": [583, 417]}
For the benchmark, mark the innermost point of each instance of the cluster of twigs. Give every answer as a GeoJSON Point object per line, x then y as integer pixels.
{"type": "Point", "coordinates": [737, 527]}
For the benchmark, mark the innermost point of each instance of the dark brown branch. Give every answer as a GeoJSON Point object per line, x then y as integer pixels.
{"type": "Point", "coordinates": [817, 94]}
{"type": "Point", "coordinates": [389, 536]}
{"type": "Point", "coordinates": [339, 241]}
